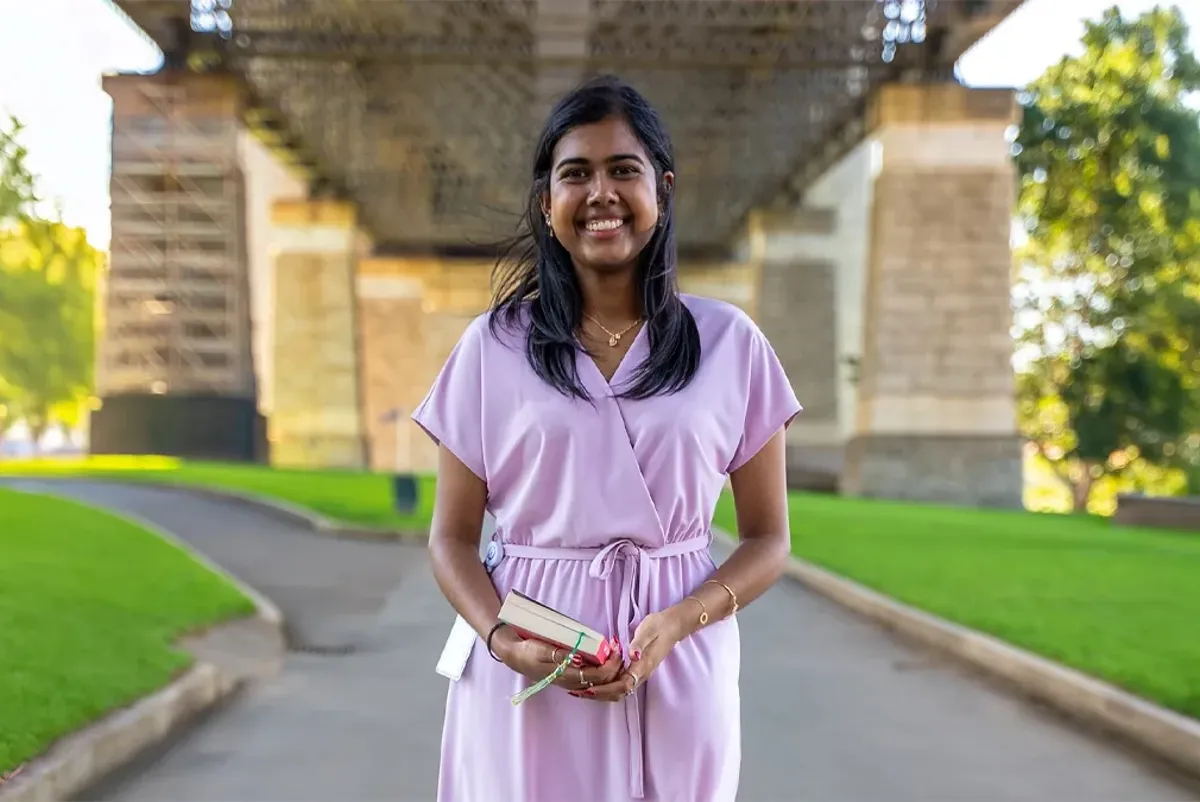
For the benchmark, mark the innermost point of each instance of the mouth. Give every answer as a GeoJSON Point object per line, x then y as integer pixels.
{"type": "Point", "coordinates": [604, 228]}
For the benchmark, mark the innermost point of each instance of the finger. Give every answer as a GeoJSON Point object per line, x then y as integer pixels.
{"type": "Point", "coordinates": [645, 635]}
{"type": "Point", "coordinates": [616, 690]}
{"type": "Point", "coordinates": [599, 675]}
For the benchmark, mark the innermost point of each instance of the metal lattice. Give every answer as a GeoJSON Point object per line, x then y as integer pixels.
{"type": "Point", "coordinates": [423, 111]}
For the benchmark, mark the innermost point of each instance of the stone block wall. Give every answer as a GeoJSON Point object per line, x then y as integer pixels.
{"type": "Point", "coordinates": [316, 415]}
{"type": "Point", "coordinates": [936, 414]}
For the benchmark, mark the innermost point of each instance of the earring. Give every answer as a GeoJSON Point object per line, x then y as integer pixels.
{"type": "Point", "coordinates": [549, 227]}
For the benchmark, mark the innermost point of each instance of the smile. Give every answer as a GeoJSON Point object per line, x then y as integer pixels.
{"type": "Point", "coordinates": [603, 226]}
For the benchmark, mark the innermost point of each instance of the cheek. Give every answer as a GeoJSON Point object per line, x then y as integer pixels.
{"type": "Point", "coordinates": [644, 205]}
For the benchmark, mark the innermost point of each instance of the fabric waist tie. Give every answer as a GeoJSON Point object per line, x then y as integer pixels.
{"type": "Point", "coordinates": [631, 608]}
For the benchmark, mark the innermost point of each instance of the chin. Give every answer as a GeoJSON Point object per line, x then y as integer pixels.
{"type": "Point", "coordinates": [610, 257]}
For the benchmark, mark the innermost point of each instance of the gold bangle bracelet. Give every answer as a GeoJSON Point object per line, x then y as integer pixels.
{"type": "Point", "coordinates": [729, 590]}
{"type": "Point", "coordinates": [703, 609]}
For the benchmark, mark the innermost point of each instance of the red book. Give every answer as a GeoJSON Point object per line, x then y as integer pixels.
{"type": "Point", "coordinates": [535, 621]}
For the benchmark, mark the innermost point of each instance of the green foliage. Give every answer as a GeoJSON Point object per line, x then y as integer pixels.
{"type": "Point", "coordinates": [48, 277]}
{"type": "Point", "coordinates": [1108, 298]}
{"type": "Point", "coordinates": [17, 194]}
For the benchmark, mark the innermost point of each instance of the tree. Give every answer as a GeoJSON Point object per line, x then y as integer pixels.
{"type": "Point", "coordinates": [16, 200]}
{"type": "Point", "coordinates": [47, 287]}
{"type": "Point", "coordinates": [17, 195]}
{"type": "Point", "coordinates": [1108, 295]}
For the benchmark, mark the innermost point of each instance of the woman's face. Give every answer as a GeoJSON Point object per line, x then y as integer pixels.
{"type": "Point", "coordinates": [602, 198]}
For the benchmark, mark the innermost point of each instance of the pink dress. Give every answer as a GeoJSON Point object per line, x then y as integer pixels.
{"type": "Point", "coordinates": [604, 512]}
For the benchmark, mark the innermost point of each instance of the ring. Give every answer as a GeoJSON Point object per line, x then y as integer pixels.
{"type": "Point", "coordinates": [636, 680]}
{"type": "Point", "coordinates": [554, 656]}
{"type": "Point", "coordinates": [583, 680]}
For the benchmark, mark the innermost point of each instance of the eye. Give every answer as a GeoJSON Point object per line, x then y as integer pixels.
{"type": "Point", "coordinates": [573, 173]}
{"type": "Point", "coordinates": [626, 170]}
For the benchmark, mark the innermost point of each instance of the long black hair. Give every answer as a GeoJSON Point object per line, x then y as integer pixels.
{"type": "Point", "coordinates": [535, 270]}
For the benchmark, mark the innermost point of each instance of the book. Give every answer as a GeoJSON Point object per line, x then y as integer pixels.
{"type": "Point", "coordinates": [535, 621]}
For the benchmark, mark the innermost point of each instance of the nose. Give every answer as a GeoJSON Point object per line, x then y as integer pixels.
{"type": "Point", "coordinates": [602, 190]}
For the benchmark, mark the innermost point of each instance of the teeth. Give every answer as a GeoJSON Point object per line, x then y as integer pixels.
{"type": "Point", "coordinates": [604, 225]}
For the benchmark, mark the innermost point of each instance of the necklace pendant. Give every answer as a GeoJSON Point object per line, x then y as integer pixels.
{"type": "Point", "coordinates": [613, 340]}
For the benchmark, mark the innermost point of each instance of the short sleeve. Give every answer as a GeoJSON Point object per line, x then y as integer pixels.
{"type": "Point", "coordinates": [770, 401]}
{"type": "Point", "coordinates": [452, 411]}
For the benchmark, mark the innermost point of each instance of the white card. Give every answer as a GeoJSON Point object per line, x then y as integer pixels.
{"type": "Point", "coordinates": [457, 650]}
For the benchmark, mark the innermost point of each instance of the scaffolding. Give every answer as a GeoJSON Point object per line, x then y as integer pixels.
{"type": "Point", "coordinates": [177, 293]}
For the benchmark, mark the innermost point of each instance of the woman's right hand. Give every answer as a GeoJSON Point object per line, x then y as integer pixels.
{"type": "Point", "coordinates": [536, 660]}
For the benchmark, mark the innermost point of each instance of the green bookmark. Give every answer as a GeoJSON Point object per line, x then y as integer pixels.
{"type": "Point", "coordinates": [545, 682]}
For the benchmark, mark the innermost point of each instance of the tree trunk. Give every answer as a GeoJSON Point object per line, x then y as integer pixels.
{"type": "Point", "coordinates": [36, 430]}
{"type": "Point", "coordinates": [1081, 489]}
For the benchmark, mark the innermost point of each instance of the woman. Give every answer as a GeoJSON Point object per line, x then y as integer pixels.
{"type": "Point", "coordinates": [595, 412]}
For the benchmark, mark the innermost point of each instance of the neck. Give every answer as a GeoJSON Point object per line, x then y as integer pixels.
{"type": "Point", "coordinates": [611, 297]}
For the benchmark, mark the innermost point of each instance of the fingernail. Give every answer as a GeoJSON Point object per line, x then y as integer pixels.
{"type": "Point", "coordinates": [590, 692]}
{"type": "Point", "coordinates": [637, 654]}
{"type": "Point", "coordinates": [577, 661]}
{"type": "Point", "coordinates": [576, 694]}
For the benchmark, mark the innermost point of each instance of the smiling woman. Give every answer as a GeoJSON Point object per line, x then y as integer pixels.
{"type": "Point", "coordinates": [599, 246]}
{"type": "Point", "coordinates": [596, 413]}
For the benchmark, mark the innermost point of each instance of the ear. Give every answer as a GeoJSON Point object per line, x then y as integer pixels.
{"type": "Point", "coordinates": [665, 187]}
{"type": "Point", "coordinates": [544, 203]}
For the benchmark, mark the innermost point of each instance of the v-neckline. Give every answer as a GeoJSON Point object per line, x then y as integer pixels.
{"type": "Point", "coordinates": [608, 386]}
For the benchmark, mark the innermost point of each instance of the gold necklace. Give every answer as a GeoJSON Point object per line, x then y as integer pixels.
{"type": "Point", "coordinates": [614, 337]}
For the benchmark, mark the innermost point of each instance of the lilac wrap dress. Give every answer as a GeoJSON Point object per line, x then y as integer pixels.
{"type": "Point", "coordinates": [603, 512]}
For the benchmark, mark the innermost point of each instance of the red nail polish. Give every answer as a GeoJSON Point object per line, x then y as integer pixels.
{"type": "Point", "coordinates": [576, 694]}
{"type": "Point", "coordinates": [637, 654]}
{"type": "Point", "coordinates": [577, 661]}
{"type": "Point", "coordinates": [590, 692]}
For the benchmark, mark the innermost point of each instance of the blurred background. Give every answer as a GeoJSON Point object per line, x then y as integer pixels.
{"type": "Point", "coordinates": [252, 230]}
{"type": "Point", "coordinates": [238, 239]}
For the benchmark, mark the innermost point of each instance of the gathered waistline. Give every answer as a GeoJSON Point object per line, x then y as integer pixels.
{"type": "Point", "coordinates": [632, 605]}
{"type": "Point", "coordinates": [622, 546]}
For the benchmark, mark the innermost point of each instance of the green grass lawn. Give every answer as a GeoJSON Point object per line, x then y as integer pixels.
{"type": "Point", "coordinates": [1118, 603]}
{"type": "Point", "coordinates": [356, 497]}
{"type": "Point", "coordinates": [89, 608]}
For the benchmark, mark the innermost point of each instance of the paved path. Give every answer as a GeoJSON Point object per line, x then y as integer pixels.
{"type": "Point", "coordinates": [834, 710]}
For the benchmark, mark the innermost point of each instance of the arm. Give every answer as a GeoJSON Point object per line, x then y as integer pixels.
{"type": "Point", "coordinates": [454, 543]}
{"type": "Point", "coordinates": [459, 508]}
{"type": "Point", "coordinates": [760, 497]}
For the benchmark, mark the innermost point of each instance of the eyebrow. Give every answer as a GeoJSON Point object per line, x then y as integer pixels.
{"type": "Point", "coordinates": [617, 157]}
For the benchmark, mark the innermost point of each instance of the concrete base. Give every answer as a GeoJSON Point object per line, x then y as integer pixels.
{"type": "Point", "coordinates": [816, 469]}
{"type": "Point", "coordinates": [1181, 513]}
{"type": "Point", "coordinates": [203, 427]}
{"type": "Point", "coordinates": [981, 470]}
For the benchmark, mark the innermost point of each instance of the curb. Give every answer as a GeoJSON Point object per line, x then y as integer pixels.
{"type": "Point", "coordinates": [1165, 734]}
{"type": "Point", "coordinates": [295, 514]}
{"type": "Point", "coordinates": [276, 508]}
{"type": "Point", "coordinates": [82, 758]}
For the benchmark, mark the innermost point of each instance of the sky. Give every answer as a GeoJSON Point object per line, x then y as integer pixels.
{"type": "Point", "coordinates": [61, 48]}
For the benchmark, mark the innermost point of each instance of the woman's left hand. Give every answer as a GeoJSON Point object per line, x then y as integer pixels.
{"type": "Point", "coordinates": [652, 642]}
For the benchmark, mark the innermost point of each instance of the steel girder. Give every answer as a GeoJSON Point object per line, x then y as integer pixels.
{"type": "Point", "coordinates": [424, 111]}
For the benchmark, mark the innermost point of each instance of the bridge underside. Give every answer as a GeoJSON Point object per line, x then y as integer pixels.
{"type": "Point", "coordinates": [300, 197]}
{"type": "Point", "coordinates": [423, 111]}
